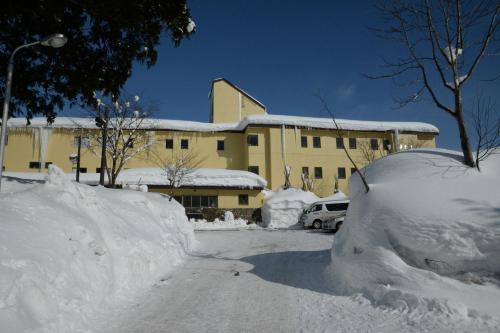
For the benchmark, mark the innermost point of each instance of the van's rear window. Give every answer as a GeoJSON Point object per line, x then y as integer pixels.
{"type": "Point", "coordinates": [336, 206]}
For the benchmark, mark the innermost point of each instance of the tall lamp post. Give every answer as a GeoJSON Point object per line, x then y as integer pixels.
{"type": "Point", "coordinates": [55, 41]}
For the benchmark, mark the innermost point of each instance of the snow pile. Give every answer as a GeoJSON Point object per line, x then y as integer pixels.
{"type": "Point", "coordinates": [283, 208]}
{"type": "Point", "coordinates": [229, 223]}
{"type": "Point", "coordinates": [157, 176]}
{"type": "Point", "coordinates": [337, 196]}
{"type": "Point", "coordinates": [425, 238]}
{"type": "Point", "coordinates": [69, 251]}
{"type": "Point", "coordinates": [258, 119]}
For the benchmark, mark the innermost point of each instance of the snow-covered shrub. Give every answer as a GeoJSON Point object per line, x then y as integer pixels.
{"type": "Point", "coordinates": [426, 236]}
{"type": "Point", "coordinates": [70, 250]}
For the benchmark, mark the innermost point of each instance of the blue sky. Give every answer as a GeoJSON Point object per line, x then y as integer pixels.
{"type": "Point", "coordinates": [282, 53]}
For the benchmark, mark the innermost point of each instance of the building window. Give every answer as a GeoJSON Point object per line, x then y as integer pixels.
{"type": "Point", "coordinates": [340, 143]}
{"type": "Point", "coordinates": [341, 173]}
{"type": "Point", "coordinates": [129, 142]}
{"type": "Point", "coordinates": [169, 143]}
{"type": "Point", "coordinates": [303, 141]}
{"type": "Point", "coordinates": [318, 172]}
{"type": "Point", "coordinates": [184, 144]}
{"type": "Point", "coordinates": [316, 142]}
{"type": "Point", "coordinates": [220, 145]}
{"type": "Point", "coordinates": [35, 165]}
{"type": "Point", "coordinates": [243, 199]}
{"type": "Point", "coordinates": [253, 169]}
{"type": "Point", "coordinates": [97, 170]}
{"type": "Point", "coordinates": [353, 171]}
{"type": "Point", "coordinates": [47, 164]}
{"type": "Point", "coordinates": [305, 171]}
{"type": "Point", "coordinates": [386, 144]}
{"type": "Point", "coordinates": [198, 201]}
{"type": "Point", "coordinates": [253, 140]}
{"type": "Point", "coordinates": [82, 170]}
{"type": "Point", "coordinates": [352, 143]}
{"type": "Point", "coordinates": [374, 144]}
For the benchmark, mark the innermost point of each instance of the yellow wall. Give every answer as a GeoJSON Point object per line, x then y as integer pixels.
{"type": "Point", "coordinates": [229, 105]}
{"type": "Point", "coordinates": [24, 147]}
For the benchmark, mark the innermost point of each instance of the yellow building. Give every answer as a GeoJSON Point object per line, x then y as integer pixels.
{"type": "Point", "coordinates": [241, 136]}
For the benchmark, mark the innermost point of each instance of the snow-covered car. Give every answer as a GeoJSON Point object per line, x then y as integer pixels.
{"type": "Point", "coordinates": [321, 211]}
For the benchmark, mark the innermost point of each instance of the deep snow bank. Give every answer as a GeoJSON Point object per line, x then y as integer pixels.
{"type": "Point", "coordinates": [426, 236]}
{"type": "Point", "coordinates": [69, 250]}
{"type": "Point", "coordinates": [282, 208]}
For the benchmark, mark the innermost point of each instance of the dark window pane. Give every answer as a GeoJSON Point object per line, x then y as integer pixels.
{"type": "Point", "coordinates": [83, 170]}
{"type": "Point", "coordinates": [195, 201]}
{"type": "Point", "coordinates": [352, 143]}
{"type": "Point", "coordinates": [318, 172]}
{"type": "Point", "coordinates": [243, 199]}
{"type": "Point", "coordinates": [317, 208]}
{"type": "Point", "coordinates": [212, 201]}
{"type": "Point", "coordinates": [184, 144]}
{"type": "Point", "coordinates": [169, 144]}
{"type": "Point", "coordinates": [204, 201]}
{"type": "Point", "coordinates": [98, 170]}
{"type": "Point", "coordinates": [386, 144]}
{"type": "Point", "coordinates": [47, 164]}
{"type": "Point", "coordinates": [305, 171]}
{"type": "Point", "coordinates": [186, 201]}
{"type": "Point", "coordinates": [34, 165]}
{"type": "Point", "coordinates": [341, 173]}
{"type": "Point", "coordinates": [374, 144]}
{"type": "Point", "coordinates": [340, 143]}
{"type": "Point", "coordinates": [303, 141]}
{"type": "Point", "coordinates": [220, 144]}
{"type": "Point", "coordinates": [316, 142]}
{"type": "Point", "coordinates": [253, 169]}
{"type": "Point", "coordinates": [335, 207]}
{"type": "Point", "coordinates": [353, 171]}
{"type": "Point", "coordinates": [178, 199]}
{"type": "Point", "coordinates": [253, 140]}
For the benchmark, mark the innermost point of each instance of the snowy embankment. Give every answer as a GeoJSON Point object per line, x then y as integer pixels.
{"type": "Point", "coordinates": [69, 251]}
{"type": "Point", "coordinates": [282, 208]}
{"type": "Point", "coordinates": [426, 237]}
{"type": "Point", "coordinates": [228, 223]}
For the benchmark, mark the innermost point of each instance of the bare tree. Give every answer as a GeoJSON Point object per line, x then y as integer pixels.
{"type": "Point", "coordinates": [307, 183]}
{"type": "Point", "coordinates": [486, 128]}
{"type": "Point", "coordinates": [326, 108]}
{"type": "Point", "coordinates": [121, 136]}
{"type": "Point", "coordinates": [177, 168]}
{"type": "Point", "coordinates": [368, 153]}
{"type": "Point", "coordinates": [445, 42]}
{"type": "Point", "coordinates": [288, 172]}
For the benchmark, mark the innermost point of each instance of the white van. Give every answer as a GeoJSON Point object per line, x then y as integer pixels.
{"type": "Point", "coordinates": [321, 211]}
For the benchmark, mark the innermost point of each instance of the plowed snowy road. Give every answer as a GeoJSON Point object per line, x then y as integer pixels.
{"type": "Point", "coordinates": [261, 281]}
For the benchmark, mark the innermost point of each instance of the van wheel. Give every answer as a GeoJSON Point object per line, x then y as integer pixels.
{"type": "Point", "coordinates": [317, 224]}
{"type": "Point", "coordinates": [338, 225]}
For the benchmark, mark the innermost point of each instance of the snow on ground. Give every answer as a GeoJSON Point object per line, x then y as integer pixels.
{"type": "Point", "coordinates": [282, 208]}
{"type": "Point", "coordinates": [425, 238]}
{"type": "Point", "coordinates": [265, 280]}
{"type": "Point", "coordinates": [69, 251]}
{"type": "Point", "coordinates": [228, 223]}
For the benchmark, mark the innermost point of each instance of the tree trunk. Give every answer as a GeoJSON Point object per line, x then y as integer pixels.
{"type": "Point", "coordinates": [464, 137]}
{"type": "Point", "coordinates": [103, 153]}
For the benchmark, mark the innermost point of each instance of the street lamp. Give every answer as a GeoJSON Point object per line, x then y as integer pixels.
{"type": "Point", "coordinates": [55, 41]}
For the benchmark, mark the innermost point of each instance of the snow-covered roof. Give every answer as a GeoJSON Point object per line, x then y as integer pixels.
{"type": "Point", "coordinates": [201, 177]}
{"type": "Point", "coordinates": [263, 119]}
